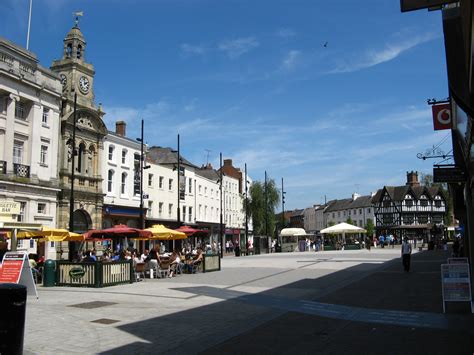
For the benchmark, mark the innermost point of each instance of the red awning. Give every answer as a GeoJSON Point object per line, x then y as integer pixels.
{"type": "Point", "coordinates": [120, 230]}
{"type": "Point", "coordinates": [192, 232]}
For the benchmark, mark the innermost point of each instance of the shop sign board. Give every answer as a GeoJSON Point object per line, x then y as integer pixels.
{"type": "Point", "coordinates": [411, 5]}
{"type": "Point", "coordinates": [9, 207]}
{"type": "Point", "coordinates": [448, 174]}
{"type": "Point", "coordinates": [456, 283]}
{"type": "Point", "coordinates": [16, 269]}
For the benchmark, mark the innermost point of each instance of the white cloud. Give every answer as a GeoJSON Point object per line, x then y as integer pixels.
{"type": "Point", "coordinates": [285, 33]}
{"type": "Point", "coordinates": [190, 49]}
{"type": "Point", "coordinates": [373, 57]}
{"type": "Point", "coordinates": [291, 59]}
{"type": "Point", "coordinates": [235, 48]}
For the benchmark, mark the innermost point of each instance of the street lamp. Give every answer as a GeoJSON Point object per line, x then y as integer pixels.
{"type": "Point", "coordinates": [266, 207]}
{"type": "Point", "coordinates": [221, 229]}
{"type": "Point", "coordinates": [246, 209]}
{"type": "Point", "coordinates": [142, 167]}
{"type": "Point", "coordinates": [283, 192]}
{"type": "Point", "coordinates": [73, 163]}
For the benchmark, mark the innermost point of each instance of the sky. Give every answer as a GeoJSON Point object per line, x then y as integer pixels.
{"type": "Point", "coordinates": [328, 95]}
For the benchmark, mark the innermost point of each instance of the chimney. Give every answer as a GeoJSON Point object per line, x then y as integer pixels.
{"type": "Point", "coordinates": [412, 178]}
{"type": "Point", "coordinates": [227, 162]}
{"type": "Point", "coordinates": [120, 128]}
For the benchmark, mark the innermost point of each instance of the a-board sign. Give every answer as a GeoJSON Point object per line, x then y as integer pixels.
{"type": "Point", "coordinates": [457, 261]}
{"type": "Point", "coordinates": [16, 269]}
{"type": "Point", "coordinates": [456, 283]}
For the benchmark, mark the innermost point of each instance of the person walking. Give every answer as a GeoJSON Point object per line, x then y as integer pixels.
{"type": "Point", "coordinates": [406, 254]}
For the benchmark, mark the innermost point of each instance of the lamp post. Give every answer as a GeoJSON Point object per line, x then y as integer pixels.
{"type": "Point", "coordinates": [282, 205]}
{"type": "Point", "coordinates": [178, 216]}
{"type": "Point", "coordinates": [246, 209]}
{"type": "Point", "coordinates": [221, 229]}
{"type": "Point", "coordinates": [143, 166]}
{"type": "Point", "coordinates": [266, 207]}
{"type": "Point", "coordinates": [73, 163]}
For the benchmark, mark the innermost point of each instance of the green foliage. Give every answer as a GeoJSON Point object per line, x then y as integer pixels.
{"type": "Point", "coordinates": [261, 212]}
{"type": "Point", "coordinates": [349, 221]}
{"type": "Point", "coordinates": [370, 228]}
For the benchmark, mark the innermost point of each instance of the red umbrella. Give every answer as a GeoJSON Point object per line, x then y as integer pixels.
{"type": "Point", "coordinates": [120, 230]}
{"type": "Point", "coordinates": [191, 231]}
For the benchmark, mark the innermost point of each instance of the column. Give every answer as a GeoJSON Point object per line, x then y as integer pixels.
{"type": "Point", "coordinates": [34, 144]}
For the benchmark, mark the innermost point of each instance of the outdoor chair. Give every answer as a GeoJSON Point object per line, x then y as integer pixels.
{"type": "Point", "coordinates": [164, 270]}
{"type": "Point", "coordinates": [139, 271]}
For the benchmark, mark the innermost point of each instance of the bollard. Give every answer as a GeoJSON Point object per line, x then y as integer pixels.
{"type": "Point", "coordinates": [12, 321]}
{"type": "Point", "coordinates": [49, 273]}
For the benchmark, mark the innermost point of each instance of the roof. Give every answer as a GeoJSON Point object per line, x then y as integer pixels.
{"type": "Point", "coordinates": [349, 203]}
{"type": "Point", "coordinates": [210, 174]}
{"type": "Point", "coordinates": [163, 156]}
{"type": "Point", "coordinates": [398, 193]}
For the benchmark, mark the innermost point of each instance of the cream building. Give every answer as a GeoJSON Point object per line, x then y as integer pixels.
{"type": "Point", "coordinates": [30, 97]}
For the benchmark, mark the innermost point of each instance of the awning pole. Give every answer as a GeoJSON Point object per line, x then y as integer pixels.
{"type": "Point", "coordinates": [14, 242]}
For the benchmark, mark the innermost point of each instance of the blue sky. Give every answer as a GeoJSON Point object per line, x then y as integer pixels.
{"type": "Point", "coordinates": [253, 80]}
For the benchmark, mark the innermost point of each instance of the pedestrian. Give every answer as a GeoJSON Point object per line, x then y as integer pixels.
{"type": "Point", "coordinates": [406, 254]}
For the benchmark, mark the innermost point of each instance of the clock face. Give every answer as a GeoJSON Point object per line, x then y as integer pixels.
{"type": "Point", "coordinates": [63, 79]}
{"type": "Point", "coordinates": [84, 84]}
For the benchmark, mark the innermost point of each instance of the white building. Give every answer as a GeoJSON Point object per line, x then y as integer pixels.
{"type": "Point", "coordinates": [29, 135]}
{"type": "Point", "coordinates": [358, 208]}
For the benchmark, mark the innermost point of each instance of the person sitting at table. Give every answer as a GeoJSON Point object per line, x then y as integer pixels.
{"type": "Point", "coordinates": [144, 256]}
{"type": "Point", "coordinates": [87, 258]}
{"type": "Point", "coordinates": [192, 263]}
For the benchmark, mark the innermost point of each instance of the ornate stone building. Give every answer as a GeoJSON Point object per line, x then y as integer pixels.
{"type": "Point", "coordinates": [77, 78]}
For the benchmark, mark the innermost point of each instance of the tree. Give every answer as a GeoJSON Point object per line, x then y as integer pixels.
{"type": "Point", "coordinates": [369, 227]}
{"type": "Point", "coordinates": [257, 209]}
{"type": "Point", "coordinates": [349, 220]}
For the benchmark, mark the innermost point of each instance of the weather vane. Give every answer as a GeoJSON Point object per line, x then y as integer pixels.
{"type": "Point", "coordinates": [77, 14]}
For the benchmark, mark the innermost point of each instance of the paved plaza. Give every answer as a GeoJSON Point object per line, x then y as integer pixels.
{"type": "Point", "coordinates": [326, 302]}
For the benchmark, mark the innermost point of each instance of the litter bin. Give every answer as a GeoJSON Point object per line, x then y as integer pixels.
{"type": "Point", "coordinates": [49, 273]}
{"type": "Point", "coordinates": [12, 321]}
{"type": "Point", "coordinates": [237, 251]}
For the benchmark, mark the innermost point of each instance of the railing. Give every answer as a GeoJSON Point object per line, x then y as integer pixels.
{"type": "Point", "coordinates": [3, 167]}
{"type": "Point", "coordinates": [21, 170]}
{"type": "Point", "coordinates": [94, 274]}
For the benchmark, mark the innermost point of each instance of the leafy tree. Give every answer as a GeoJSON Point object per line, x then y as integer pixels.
{"type": "Point", "coordinates": [257, 209]}
{"type": "Point", "coordinates": [349, 221]}
{"type": "Point", "coordinates": [369, 227]}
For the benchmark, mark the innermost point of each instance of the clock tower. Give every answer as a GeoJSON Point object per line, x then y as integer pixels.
{"type": "Point", "coordinates": [83, 120]}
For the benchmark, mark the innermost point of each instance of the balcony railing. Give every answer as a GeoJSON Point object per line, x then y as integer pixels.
{"type": "Point", "coordinates": [3, 167]}
{"type": "Point", "coordinates": [21, 170]}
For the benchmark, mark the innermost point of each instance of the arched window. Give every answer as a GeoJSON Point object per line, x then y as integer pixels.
{"type": "Point", "coordinates": [123, 186]}
{"type": "Point", "coordinates": [79, 51]}
{"type": "Point", "coordinates": [110, 181]}
{"type": "Point", "coordinates": [81, 157]}
{"type": "Point", "coordinates": [91, 161]}
{"type": "Point", "coordinates": [69, 50]}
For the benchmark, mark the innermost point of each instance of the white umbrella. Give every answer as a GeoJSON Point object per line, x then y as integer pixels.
{"type": "Point", "coordinates": [289, 232]}
{"type": "Point", "coordinates": [342, 228]}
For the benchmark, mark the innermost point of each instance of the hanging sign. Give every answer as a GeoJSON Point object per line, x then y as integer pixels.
{"type": "Point", "coordinates": [9, 207]}
{"type": "Point", "coordinates": [448, 174]}
{"type": "Point", "coordinates": [410, 5]}
{"type": "Point", "coordinates": [16, 269]}
{"type": "Point", "coordinates": [442, 118]}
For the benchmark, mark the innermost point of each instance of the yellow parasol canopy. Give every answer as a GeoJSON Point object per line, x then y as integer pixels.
{"type": "Point", "coordinates": [51, 235]}
{"type": "Point", "coordinates": [160, 232]}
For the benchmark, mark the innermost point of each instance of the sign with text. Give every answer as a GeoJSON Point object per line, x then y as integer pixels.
{"type": "Point", "coordinates": [9, 207]}
{"type": "Point", "coordinates": [442, 118]}
{"type": "Point", "coordinates": [16, 269]}
{"type": "Point", "coordinates": [456, 283]}
{"type": "Point", "coordinates": [411, 5]}
{"type": "Point", "coordinates": [458, 261]}
{"type": "Point", "coordinates": [448, 174]}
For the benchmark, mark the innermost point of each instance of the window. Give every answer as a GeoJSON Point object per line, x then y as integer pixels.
{"type": "Point", "coordinates": [408, 219]}
{"type": "Point", "coordinates": [42, 208]}
{"type": "Point", "coordinates": [110, 181]}
{"type": "Point", "coordinates": [123, 184]}
{"type": "Point", "coordinates": [111, 152]}
{"type": "Point", "coordinates": [69, 50]}
{"type": "Point", "coordinates": [170, 184]}
{"type": "Point", "coordinates": [422, 219]}
{"type": "Point", "coordinates": [360, 210]}
{"type": "Point", "coordinates": [18, 152]}
{"type": "Point", "coordinates": [212, 193]}
{"type": "Point", "coordinates": [190, 185]}
{"type": "Point", "coordinates": [184, 213]}
{"type": "Point", "coordinates": [32, 243]}
{"type": "Point", "coordinates": [160, 182]}
{"type": "Point", "coordinates": [150, 207]}
{"type": "Point", "coordinates": [137, 177]}
{"type": "Point", "coordinates": [20, 111]}
{"type": "Point", "coordinates": [170, 210]}
{"type": "Point", "coordinates": [45, 116]}
{"type": "Point", "coordinates": [409, 203]}
{"type": "Point", "coordinates": [79, 52]}
{"type": "Point", "coordinates": [368, 210]}
{"type": "Point", "coordinates": [200, 212]}
{"type": "Point", "coordinates": [44, 155]}
{"type": "Point", "coordinates": [124, 156]}
{"type": "Point", "coordinates": [437, 203]}
{"type": "Point", "coordinates": [190, 213]}
{"type": "Point", "coordinates": [150, 180]}
{"type": "Point", "coordinates": [199, 189]}
{"type": "Point", "coordinates": [205, 191]}
{"type": "Point", "coordinates": [333, 215]}
{"type": "Point", "coordinates": [160, 208]}
{"type": "Point", "coordinates": [423, 203]}
{"type": "Point", "coordinates": [21, 216]}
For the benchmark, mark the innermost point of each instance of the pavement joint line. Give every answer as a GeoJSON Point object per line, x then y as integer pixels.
{"type": "Point", "coordinates": [100, 291]}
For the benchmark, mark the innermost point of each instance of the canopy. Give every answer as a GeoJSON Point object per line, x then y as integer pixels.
{"type": "Point", "coordinates": [160, 232]}
{"type": "Point", "coordinates": [289, 232]}
{"type": "Point", "coordinates": [51, 235]}
{"type": "Point", "coordinates": [343, 228]}
{"type": "Point", "coordinates": [120, 230]}
{"type": "Point", "coordinates": [191, 231]}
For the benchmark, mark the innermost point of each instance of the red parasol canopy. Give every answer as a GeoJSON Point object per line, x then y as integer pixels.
{"type": "Point", "coordinates": [120, 230]}
{"type": "Point", "coordinates": [191, 231]}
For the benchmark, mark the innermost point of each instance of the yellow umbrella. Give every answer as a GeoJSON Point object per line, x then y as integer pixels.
{"type": "Point", "coordinates": [160, 232]}
{"type": "Point", "coordinates": [51, 235]}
